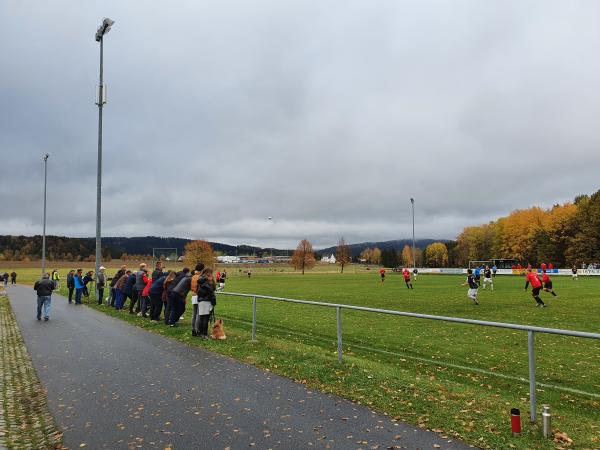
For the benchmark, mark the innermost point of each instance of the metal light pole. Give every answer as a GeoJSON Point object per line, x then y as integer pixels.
{"type": "Point", "coordinates": [100, 101]}
{"type": "Point", "coordinates": [412, 201]}
{"type": "Point", "coordinates": [44, 226]}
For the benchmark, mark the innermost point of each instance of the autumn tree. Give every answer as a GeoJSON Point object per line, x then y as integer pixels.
{"type": "Point", "coordinates": [376, 256]}
{"type": "Point", "coordinates": [198, 252]}
{"type": "Point", "coordinates": [407, 256]}
{"type": "Point", "coordinates": [304, 256]}
{"type": "Point", "coordinates": [436, 255]}
{"type": "Point", "coordinates": [342, 254]}
{"type": "Point", "coordinates": [365, 255]}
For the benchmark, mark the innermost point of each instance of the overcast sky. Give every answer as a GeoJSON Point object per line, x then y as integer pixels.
{"type": "Point", "coordinates": [325, 115]}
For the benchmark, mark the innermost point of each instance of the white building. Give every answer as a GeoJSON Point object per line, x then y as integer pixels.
{"type": "Point", "coordinates": [329, 260]}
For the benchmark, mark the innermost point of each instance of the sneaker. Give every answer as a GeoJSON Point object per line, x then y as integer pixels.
{"type": "Point", "coordinates": [544, 306]}
{"type": "Point", "coordinates": [154, 321]}
{"type": "Point", "coordinates": [139, 314]}
{"type": "Point", "coordinates": [46, 319]}
{"type": "Point", "coordinates": [39, 318]}
{"type": "Point", "coordinates": [194, 333]}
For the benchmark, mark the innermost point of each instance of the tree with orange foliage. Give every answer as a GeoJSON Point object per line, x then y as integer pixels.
{"type": "Point", "coordinates": [304, 256]}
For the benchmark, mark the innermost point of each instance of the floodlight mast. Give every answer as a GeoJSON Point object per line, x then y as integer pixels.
{"type": "Point", "coordinates": [414, 258]}
{"type": "Point", "coordinates": [101, 100]}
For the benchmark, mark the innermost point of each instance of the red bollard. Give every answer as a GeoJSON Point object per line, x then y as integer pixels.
{"type": "Point", "coordinates": [515, 422]}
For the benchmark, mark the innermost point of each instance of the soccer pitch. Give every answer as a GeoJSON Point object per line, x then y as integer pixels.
{"type": "Point", "coordinates": [459, 379]}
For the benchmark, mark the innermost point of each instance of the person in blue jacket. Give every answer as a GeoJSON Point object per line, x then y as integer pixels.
{"type": "Point", "coordinates": [78, 279]}
{"type": "Point", "coordinates": [127, 290]}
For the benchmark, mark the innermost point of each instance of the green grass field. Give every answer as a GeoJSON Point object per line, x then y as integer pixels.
{"type": "Point", "coordinates": [460, 380]}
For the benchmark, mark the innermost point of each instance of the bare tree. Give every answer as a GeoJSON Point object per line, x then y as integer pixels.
{"type": "Point", "coordinates": [304, 256]}
{"type": "Point", "coordinates": [342, 254]}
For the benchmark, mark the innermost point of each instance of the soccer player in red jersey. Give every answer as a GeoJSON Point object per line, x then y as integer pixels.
{"type": "Point", "coordinates": [382, 274]}
{"type": "Point", "coordinates": [536, 286]}
{"type": "Point", "coordinates": [547, 283]}
{"type": "Point", "coordinates": [406, 276]}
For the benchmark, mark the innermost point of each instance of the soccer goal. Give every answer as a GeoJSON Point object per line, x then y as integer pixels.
{"type": "Point", "coordinates": [164, 254]}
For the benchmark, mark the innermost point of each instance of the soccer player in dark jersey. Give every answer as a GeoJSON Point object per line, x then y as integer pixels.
{"type": "Point", "coordinates": [487, 278]}
{"type": "Point", "coordinates": [406, 276]}
{"type": "Point", "coordinates": [547, 283]}
{"type": "Point", "coordinates": [473, 286]}
{"type": "Point", "coordinates": [536, 285]}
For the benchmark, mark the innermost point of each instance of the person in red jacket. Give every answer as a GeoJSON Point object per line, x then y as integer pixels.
{"type": "Point", "coordinates": [536, 285]}
{"type": "Point", "coordinates": [382, 274]}
{"type": "Point", "coordinates": [543, 267]}
{"type": "Point", "coordinates": [547, 283]}
{"type": "Point", "coordinates": [406, 276]}
{"type": "Point", "coordinates": [550, 266]}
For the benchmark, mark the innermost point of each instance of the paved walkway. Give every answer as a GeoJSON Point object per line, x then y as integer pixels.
{"type": "Point", "coordinates": [112, 385]}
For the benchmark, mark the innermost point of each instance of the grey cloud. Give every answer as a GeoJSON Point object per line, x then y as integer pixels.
{"type": "Point", "coordinates": [327, 116]}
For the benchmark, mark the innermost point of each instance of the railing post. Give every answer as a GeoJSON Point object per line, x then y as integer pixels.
{"type": "Point", "coordinates": [339, 333]}
{"type": "Point", "coordinates": [253, 319]}
{"type": "Point", "coordinates": [531, 351]}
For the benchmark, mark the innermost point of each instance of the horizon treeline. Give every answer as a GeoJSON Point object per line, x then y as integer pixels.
{"type": "Point", "coordinates": [565, 235]}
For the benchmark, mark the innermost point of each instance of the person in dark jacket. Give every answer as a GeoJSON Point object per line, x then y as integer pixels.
{"type": "Point", "coordinates": [71, 284]}
{"type": "Point", "coordinates": [178, 294]}
{"type": "Point", "coordinates": [206, 300]}
{"type": "Point", "coordinates": [165, 295]}
{"type": "Point", "coordinates": [13, 277]}
{"type": "Point", "coordinates": [156, 303]}
{"type": "Point", "coordinates": [114, 280]}
{"type": "Point", "coordinates": [129, 291]}
{"type": "Point", "coordinates": [44, 288]}
{"type": "Point", "coordinates": [119, 286]}
{"type": "Point", "coordinates": [5, 278]}
{"type": "Point", "coordinates": [88, 278]}
{"type": "Point", "coordinates": [158, 271]}
{"type": "Point", "coordinates": [100, 283]}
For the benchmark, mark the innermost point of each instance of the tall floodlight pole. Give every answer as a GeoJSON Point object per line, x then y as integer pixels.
{"type": "Point", "coordinates": [100, 101]}
{"type": "Point", "coordinates": [412, 201]}
{"type": "Point", "coordinates": [44, 225]}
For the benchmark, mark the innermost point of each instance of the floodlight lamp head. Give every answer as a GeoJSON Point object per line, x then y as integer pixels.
{"type": "Point", "coordinates": [46, 156]}
{"type": "Point", "coordinates": [412, 200]}
{"type": "Point", "coordinates": [104, 28]}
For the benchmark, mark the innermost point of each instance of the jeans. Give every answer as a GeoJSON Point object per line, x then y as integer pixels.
{"type": "Point", "coordinates": [71, 289]}
{"type": "Point", "coordinates": [203, 325]}
{"type": "Point", "coordinates": [144, 303]}
{"type": "Point", "coordinates": [78, 293]}
{"type": "Point", "coordinates": [156, 305]}
{"type": "Point", "coordinates": [195, 320]}
{"type": "Point", "coordinates": [113, 296]}
{"type": "Point", "coordinates": [177, 307]}
{"type": "Point", "coordinates": [118, 299]}
{"type": "Point", "coordinates": [43, 301]}
{"type": "Point", "coordinates": [100, 295]}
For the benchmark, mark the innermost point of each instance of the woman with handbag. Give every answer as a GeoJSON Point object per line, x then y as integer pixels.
{"type": "Point", "coordinates": [206, 301]}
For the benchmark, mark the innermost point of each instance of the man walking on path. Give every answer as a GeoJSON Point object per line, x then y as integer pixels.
{"type": "Point", "coordinates": [44, 288]}
{"type": "Point", "coordinates": [5, 276]}
{"type": "Point", "coordinates": [71, 284]}
{"type": "Point", "coordinates": [13, 277]}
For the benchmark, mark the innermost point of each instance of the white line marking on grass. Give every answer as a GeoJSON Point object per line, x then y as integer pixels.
{"type": "Point", "coordinates": [431, 361]}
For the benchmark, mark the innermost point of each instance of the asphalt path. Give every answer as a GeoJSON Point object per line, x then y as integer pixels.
{"type": "Point", "coordinates": [113, 385]}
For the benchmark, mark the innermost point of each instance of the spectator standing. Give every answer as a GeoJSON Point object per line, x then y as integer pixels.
{"type": "Point", "coordinates": [5, 278]}
{"type": "Point", "coordinates": [78, 286]}
{"type": "Point", "coordinates": [167, 287]}
{"type": "Point", "coordinates": [100, 283]}
{"type": "Point", "coordinates": [114, 280]}
{"type": "Point", "coordinates": [128, 290]}
{"type": "Point", "coordinates": [88, 278]}
{"type": "Point", "coordinates": [119, 299]}
{"type": "Point", "coordinates": [13, 277]}
{"type": "Point", "coordinates": [178, 295]}
{"type": "Point", "coordinates": [44, 288]}
{"type": "Point", "coordinates": [158, 271]}
{"type": "Point", "coordinates": [194, 288]}
{"type": "Point", "coordinates": [156, 303]}
{"type": "Point", "coordinates": [71, 284]}
{"type": "Point", "coordinates": [55, 277]}
{"type": "Point", "coordinates": [206, 300]}
{"type": "Point", "coordinates": [141, 280]}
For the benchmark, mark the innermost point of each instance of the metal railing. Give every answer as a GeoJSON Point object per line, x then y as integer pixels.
{"type": "Point", "coordinates": [531, 330]}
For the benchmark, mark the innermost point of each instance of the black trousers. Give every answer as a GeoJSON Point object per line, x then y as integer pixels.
{"type": "Point", "coordinates": [134, 302]}
{"type": "Point", "coordinates": [156, 305]}
{"type": "Point", "coordinates": [113, 296]}
{"type": "Point", "coordinates": [203, 328]}
{"type": "Point", "coordinates": [177, 307]}
{"type": "Point", "coordinates": [71, 290]}
{"type": "Point", "coordinates": [100, 295]}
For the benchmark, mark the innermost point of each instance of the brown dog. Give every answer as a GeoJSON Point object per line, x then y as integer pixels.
{"type": "Point", "coordinates": [217, 331]}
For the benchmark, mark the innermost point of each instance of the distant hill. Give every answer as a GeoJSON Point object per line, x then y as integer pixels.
{"type": "Point", "coordinates": [397, 245]}
{"type": "Point", "coordinates": [77, 249]}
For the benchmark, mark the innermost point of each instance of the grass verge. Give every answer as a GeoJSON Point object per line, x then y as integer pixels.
{"type": "Point", "coordinates": [25, 421]}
